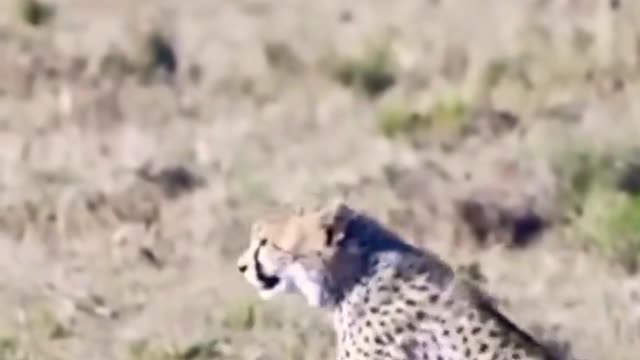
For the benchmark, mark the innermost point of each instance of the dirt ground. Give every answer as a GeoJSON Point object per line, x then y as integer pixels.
{"type": "Point", "coordinates": [139, 138]}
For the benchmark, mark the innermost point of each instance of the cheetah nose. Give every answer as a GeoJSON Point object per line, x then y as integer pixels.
{"type": "Point", "coordinates": [242, 268]}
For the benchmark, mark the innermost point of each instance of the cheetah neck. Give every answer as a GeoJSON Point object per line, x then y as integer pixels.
{"type": "Point", "coordinates": [370, 253]}
{"type": "Point", "coordinates": [367, 249]}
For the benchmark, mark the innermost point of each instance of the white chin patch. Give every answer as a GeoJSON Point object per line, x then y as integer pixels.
{"type": "Point", "coordinates": [267, 294]}
{"type": "Point", "coordinates": [309, 284]}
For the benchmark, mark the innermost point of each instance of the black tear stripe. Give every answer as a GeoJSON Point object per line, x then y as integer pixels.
{"type": "Point", "coordinates": [268, 282]}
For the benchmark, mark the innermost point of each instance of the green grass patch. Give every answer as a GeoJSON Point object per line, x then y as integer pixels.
{"type": "Point", "coordinates": [400, 120]}
{"type": "Point", "coordinates": [611, 224]}
{"type": "Point", "coordinates": [10, 349]}
{"type": "Point", "coordinates": [581, 170]}
{"type": "Point", "coordinates": [601, 212]}
{"type": "Point", "coordinates": [371, 73]}
{"type": "Point", "coordinates": [36, 13]}
{"type": "Point", "coordinates": [448, 115]}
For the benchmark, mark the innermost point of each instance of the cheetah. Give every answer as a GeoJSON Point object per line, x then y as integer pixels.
{"type": "Point", "coordinates": [389, 299]}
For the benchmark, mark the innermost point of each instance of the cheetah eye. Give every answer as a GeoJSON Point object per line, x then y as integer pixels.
{"type": "Point", "coordinates": [263, 241]}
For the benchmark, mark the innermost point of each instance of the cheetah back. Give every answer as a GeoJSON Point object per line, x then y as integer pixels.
{"type": "Point", "coordinates": [406, 310]}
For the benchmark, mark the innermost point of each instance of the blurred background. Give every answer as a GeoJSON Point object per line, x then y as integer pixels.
{"type": "Point", "coordinates": [139, 138]}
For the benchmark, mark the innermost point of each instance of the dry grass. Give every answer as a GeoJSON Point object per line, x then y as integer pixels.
{"type": "Point", "coordinates": [139, 138]}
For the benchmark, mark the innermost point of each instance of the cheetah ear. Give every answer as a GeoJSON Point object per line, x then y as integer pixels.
{"type": "Point", "coordinates": [333, 212]}
{"type": "Point", "coordinates": [334, 218]}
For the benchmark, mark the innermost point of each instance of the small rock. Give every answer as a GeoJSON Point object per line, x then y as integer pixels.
{"type": "Point", "coordinates": [174, 181]}
{"type": "Point", "coordinates": [488, 219]}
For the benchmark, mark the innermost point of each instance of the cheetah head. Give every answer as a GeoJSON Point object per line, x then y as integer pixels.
{"type": "Point", "coordinates": [298, 253]}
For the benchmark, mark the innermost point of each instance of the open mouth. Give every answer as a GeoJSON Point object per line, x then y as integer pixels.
{"type": "Point", "coordinates": [268, 282]}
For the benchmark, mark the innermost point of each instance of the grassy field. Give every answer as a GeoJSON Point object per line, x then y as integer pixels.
{"type": "Point", "coordinates": [139, 138]}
